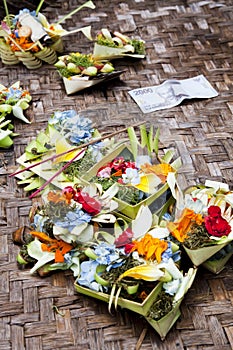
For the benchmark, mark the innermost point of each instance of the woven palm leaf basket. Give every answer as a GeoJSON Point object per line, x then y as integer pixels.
{"type": "Point", "coordinates": [29, 38]}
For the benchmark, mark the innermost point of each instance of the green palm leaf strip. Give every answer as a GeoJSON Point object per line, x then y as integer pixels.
{"type": "Point", "coordinates": [89, 4]}
{"type": "Point", "coordinates": [39, 7]}
{"type": "Point", "coordinates": [133, 141]}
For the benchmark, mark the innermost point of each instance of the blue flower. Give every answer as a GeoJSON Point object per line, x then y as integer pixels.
{"type": "Point", "coordinates": [108, 255]}
{"type": "Point", "coordinates": [13, 93]}
{"type": "Point", "coordinates": [39, 221]}
{"type": "Point", "coordinates": [79, 129]}
{"type": "Point", "coordinates": [59, 117]}
{"type": "Point", "coordinates": [96, 151]}
{"type": "Point", "coordinates": [87, 276]}
{"type": "Point", "coordinates": [169, 254]}
{"type": "Point", "coordinates": [75, 128]}
{"type": "Point", "coordinates": [73, 219]}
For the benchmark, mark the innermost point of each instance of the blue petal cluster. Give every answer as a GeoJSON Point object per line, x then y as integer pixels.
{"type": "Point", "coordinates": [72, 219]}
{"type": "Point", "coordinates": [107, 255]}
{"type": "Point", "coordinates": [75, 128]}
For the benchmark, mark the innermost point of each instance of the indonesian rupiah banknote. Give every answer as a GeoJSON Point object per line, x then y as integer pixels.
{"type": "Point", "coordinates": [171, 93]}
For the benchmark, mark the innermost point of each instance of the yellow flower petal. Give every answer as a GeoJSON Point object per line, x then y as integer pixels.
{"type": "Point", "coordinates": [147, 272]}
{"type": "Point", "coordinates": [62, 146]}
{"type": "Point", "coordinates": [148, 183]}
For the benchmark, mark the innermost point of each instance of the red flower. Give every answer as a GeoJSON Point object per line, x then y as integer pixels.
{"type": "Point", "coordinates": [128, 248]}
{"type": "Point", "coordinates": [124, 238]}
{"type": "Point", "coordinates": [89, 204]}
{"type": "Point", "coordinates": [69, 193]}
{"type": "Point", "coordinates": [215, 224]}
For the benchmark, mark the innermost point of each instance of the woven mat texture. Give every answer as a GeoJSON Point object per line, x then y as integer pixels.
{"type": "Point", "coordinates": [183, 39]}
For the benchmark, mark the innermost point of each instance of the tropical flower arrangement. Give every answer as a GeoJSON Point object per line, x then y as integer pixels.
{"type": "Point", "coordinates": [111, 45]}
{"type": "Point", "coordinates": [205, 224]}
{"type": "Point", "coordinates": [128, 261]}
{"type": "Point", "coordinates": [60, 153]}
{"type": "Point", "coordinates": [13, 101]}
{"type": "Point", "coordinates": [137, 269]}
{"type": "Point", "coordinates": [59, 227]}
{"type": "Point", "coordinates": [80, 71]}
{"type": "Point", "coordinates": [134, 265]}
{"type": "Point", "coordinates": [29, 38]}
{"type": "Point", "coordinates": [141, 178]}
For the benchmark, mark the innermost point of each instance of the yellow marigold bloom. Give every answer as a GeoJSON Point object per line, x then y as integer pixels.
{"type": "Point", "coordinates": [180, 228]}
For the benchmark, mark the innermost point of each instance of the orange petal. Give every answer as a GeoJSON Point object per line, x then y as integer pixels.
{"type": "Point", "coordinates": [42, 236]}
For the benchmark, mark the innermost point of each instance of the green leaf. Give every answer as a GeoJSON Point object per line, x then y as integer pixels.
{"type": "Point", "coordinates": [111, 191]}
{"type": "Point", "coordinates": [36, 183]}
{"type": "Point", "coordinates": [6, 142]}
{"type": "Point", "coordinates": [167, 156]}
{"type": "Point", "coordinates": [107, 236]}
{"type": "Point", "coordinates": [75, 267]}
{"type": "Point", "coordinates": [86, 235]}
{"type": "Point", "coordinates": [156, 141]}
{"type": "Point", "coordinates": [144, 136]}
{"type": "Point", "coordinates": [118, 228]}
{"type": "Point", "coordinates": [111, 297]}
{"type": "Point", "coordinates": [23, 104]}
{"type": "Point", "coordinates": [4, 133]}
{"type": "Point", "coordinates": [5, 108]}
{"type": "Point", "coordinates": [117, 296]}
{"type": "Point", "coordinates": [133, 141]}
{"type": "Point", "coordinates": [89, 4]}
{"type": "Point", "coordinates": [2, 125]}
{"type": "Point", "coordinates": [36, 145]}
{"type": "Point", "coordinates": [177, 163]}
{"type": "Point", "coordinates": [150, 139]}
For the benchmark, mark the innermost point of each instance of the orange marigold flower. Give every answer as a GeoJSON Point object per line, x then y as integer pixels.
{"type": "Point", "coordinates": [180, 228]}
{"type": "Point", "coordinates": [150, 248]}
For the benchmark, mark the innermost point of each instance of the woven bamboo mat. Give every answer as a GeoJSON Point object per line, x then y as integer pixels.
{"type": "Point", "coordinates": [183, 39]}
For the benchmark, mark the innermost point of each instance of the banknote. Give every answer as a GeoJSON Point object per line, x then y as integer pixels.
{"type": "Point", "coordinates": [171, 93]}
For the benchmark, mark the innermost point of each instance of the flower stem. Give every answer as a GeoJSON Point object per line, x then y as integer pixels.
{"type": "Point", "coordinates": [39, 7]}
{"type": "Point", "coordinates": [7, 13]}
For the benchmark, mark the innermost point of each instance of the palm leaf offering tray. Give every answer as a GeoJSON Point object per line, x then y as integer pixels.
{"type": "Point", "coordinates": [112, 45]}
{"type": "Point", "coordinates": [80, 71]}
{"type": "Point", "coordinates": [29, 38]}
